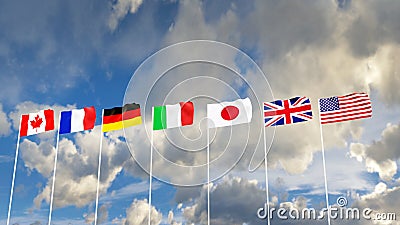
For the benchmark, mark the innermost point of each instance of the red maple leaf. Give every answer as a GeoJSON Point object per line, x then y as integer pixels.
{"type": "Point", "coordinates": [36, 122]}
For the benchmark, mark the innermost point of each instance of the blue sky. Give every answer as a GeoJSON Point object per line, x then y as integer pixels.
{"type": "Point", "coordinates": [65, 55]}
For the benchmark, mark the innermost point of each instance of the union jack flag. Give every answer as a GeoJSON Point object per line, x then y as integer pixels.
{"type": "Point", "coordinates": [282, 112]}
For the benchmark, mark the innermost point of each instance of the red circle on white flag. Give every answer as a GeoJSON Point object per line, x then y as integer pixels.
{"type": "Point", "coordinates": [229, 112]}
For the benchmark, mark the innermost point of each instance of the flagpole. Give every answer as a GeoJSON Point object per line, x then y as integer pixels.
{"type": "Point", "coordinates": [208, 177]}
{"type": "Point", "coordinates": [54, 171]}
{"type": "Point", "coordinates": [266, 175]}
{"type": "Point", "coordinates": [324, 165]}
{"type": "Point", "coordinates": [98, 169]}
{"type": "Point", "coordinates": [15, 168]}
{"type": "Point", "coordinates": [151, 168]}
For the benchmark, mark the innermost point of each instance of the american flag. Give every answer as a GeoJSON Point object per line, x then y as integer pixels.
{"type": "Point", "coordinates": [343, 108]}
{"type": "Point", "coordinates": [282, 112]}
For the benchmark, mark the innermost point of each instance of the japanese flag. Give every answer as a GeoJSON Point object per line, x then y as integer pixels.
{"type": "Point", "coordinates": [34, 123]}
{"type": "Point", "coordinates": [229, 113]}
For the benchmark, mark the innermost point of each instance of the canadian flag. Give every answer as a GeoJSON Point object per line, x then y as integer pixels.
{"type": "Point", "coordinates": [34, 123]}
{"type": "Point", "coordinates": [229, 113]}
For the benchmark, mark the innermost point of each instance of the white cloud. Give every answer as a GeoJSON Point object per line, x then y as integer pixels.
{"type": "Point", "coordinates": [288, 50]}
{"type": "Point", "coordinates": [138, 214]}
{"type": "Point", "coordinates": [307, 48]}
{"type": "Point", "coordinates": [236, 201]}
{"type": "Point", "coordinates": [34, 64]}
{"type": "Point", "coordinates": [39, 157]}
{"type": "Point", "coordinates": [5, 125]}
{"type": "Point", "coordinates": [77, 164]}
{"type": "Point", "coordinates": [171, 220]}
{"type": "Point", "coordinates": [343, 174]}
{"type": "Point", "coordinates": [380, 156]}
{"type": "Point", "coordinates": [382, 200]}
{"type": "Point", "coordinates": [385, 71]}
{"type": "Point", "coordinates": [76, 176]}
{"type": "Point", "coordinates": [129, 190]}
{"type": "Point", "coordinates": [233, 201]}
{"type": "Point", "coordinates": [102, 215]}
{"type": "Point", "coordinates": [190, 24]}
{"type": "Point", "coordinates": [317, 50]}
{"type": "Point", "coordinates": [120, 9]}
{"type": "Point", "coordinates": [5, 158]}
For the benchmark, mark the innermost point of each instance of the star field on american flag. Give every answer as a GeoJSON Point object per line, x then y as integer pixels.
{"type": "Point", "coordinates": [343, 108]}
{"type": "Point", "coordinates": [329, 104]}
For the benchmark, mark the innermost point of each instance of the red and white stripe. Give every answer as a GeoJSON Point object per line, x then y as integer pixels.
{"type": "Point", "coordinates": [352, 107]}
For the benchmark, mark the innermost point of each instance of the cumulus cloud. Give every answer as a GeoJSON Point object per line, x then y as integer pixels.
{"type": "Point", "coordinates": [384, 72]}
{"type": "Point", "coordinates": [341, 50]}
{"type": "Point", "coordinates": [171, 220]}
{"type": "Point", "coordinates": [76, 177]}
{"type": "Point", "coordinates": [382, 200]}
{"type": "Point", "coordinates": [380, 156]}
{"type": "Point", "coordinates": [302, 147]}
{"type": "Point", "coordinates": [138, 214]}
{"type": "Point", "coordinates": [320, 45]}
{"type": "Point", "coordinates": [287, 49]}
{"type": "Point", "coordinates": [310, 47]}
{"type": "Point", "coordinates": [33, 60]}
{"type": "Point", "coordinates": [120, 9]}
{"type": "Point", "coordinates": [39, 157]}
{"type": "Point", "coordinates": [5, 125]}
{"type": "Point", "coordinates": [287, 53]}
{"type": "Point", "coordinates": [190, 14]}
{"type": "Point", "coordinates": [369, 30]}
{"type": "Point", "coordinates": [169, 144]}
{"type": "Point", "coordinates": [233, 201]}
{"type": "Point", "coordinates": [102, 215]}
{"type": "Point", "coordinates": [77, 164]}
{"type": "Point", "coordinates": [236, 201]}
{"type": "Point", "coordinates": [35, 72]}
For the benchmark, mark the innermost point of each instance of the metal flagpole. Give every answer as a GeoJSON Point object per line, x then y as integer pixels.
{"type": "Point", "coordinates": [54, 171]}
{"type": "Point", "coordinates": [98, 169]}
{"type": "Point", "coordinates": [15, 168]}
{"type": "Point", "coordinates": [151, 168]}
{"type": "Point", "coordinates": [324, 165]}
{"type": "Point", "coordinates": [208, 177]}
{"type": "Point", "coordinates": [266, 175]}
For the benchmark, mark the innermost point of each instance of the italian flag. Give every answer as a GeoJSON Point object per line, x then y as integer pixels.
{"type": "Point", "coordinates": [169, 116]}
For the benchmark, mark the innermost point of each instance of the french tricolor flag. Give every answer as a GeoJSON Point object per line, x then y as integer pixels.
{"type": "Point", "coordinates": [77, 120]}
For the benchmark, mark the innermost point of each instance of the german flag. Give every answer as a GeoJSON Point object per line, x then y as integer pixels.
{"type": "Point", "coordinates": [120, 117]}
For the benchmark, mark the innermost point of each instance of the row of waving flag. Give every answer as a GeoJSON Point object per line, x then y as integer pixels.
{"type": "Point", "coordinates": [280, 112]}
